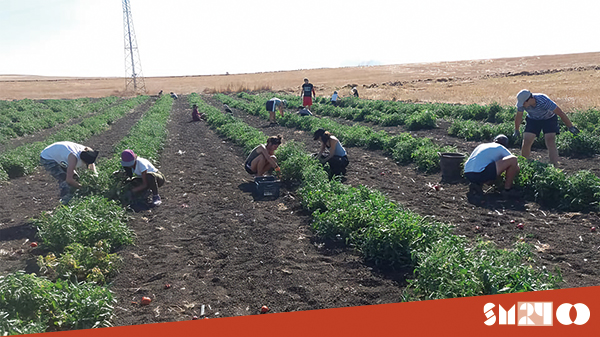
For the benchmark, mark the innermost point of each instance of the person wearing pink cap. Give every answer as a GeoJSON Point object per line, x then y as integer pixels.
{"type": "Point", "coordinates": [147, 177]}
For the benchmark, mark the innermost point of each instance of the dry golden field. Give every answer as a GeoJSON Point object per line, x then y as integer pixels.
{"type": "Point", "coordinates": [572, 80]}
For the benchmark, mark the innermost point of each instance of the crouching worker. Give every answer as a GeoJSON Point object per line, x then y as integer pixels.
{"type": "Point", "coordinates": [61, 159]}
{"type": "Point", "coordinates": [147, 177]}
{"type": "Point", "coordinates": [196, 115]}
{"type": "Point", "coordinates": [262, 158]}
{"type": "Point", "coordinates": [486, 164]}
{"type": "Point", "coordinates": [337, 157]}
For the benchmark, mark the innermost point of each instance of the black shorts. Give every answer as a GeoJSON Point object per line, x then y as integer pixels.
{"type": "Point", "coordinates": [488, 174]}
{"type": "Point", "coordinates": [549, 125]}
{"type": "Point", "coordinates": [249, 168]}
{"type": "Point", "coordinates": [270, 105]}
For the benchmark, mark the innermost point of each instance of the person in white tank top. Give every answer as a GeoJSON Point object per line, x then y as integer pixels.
{"type": "Point", "coordinates": [61, 160]}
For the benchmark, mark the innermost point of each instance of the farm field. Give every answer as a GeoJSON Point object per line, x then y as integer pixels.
{"type": "Point", "coordinates": [219, 249]}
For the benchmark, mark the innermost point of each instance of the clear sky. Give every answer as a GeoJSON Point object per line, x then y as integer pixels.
{"type": "Point", "coordinates": [193, 37]}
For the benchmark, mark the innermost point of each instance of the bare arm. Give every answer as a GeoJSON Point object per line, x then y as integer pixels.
{"type": "Point", "coordinates": [144, 184]}
{"type": "Point", "coordinates": [518, 120]}
{"type": "Point", "coordinates": [71, 164]}
{"type": "Point", "coordinates": [558, 111]}
{"type": "Point", "coordinates": [332, 144]}
{"type": "Point", "coordinates": [263, 151]}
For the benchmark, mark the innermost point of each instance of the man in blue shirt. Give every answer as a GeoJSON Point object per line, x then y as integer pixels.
{"type": "Point", "coordinates": [542, 115]}
{"type": "Point", "coordinates": [487, 162]}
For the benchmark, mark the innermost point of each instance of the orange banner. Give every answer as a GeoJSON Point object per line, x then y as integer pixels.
{"type": "Point", "coordinates": [544, 313]}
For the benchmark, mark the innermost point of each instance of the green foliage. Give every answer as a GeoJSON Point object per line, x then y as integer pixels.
{"type": "Point", "coordinates": [422, 120]}
{"type": "Point", "coordinates": [86, 221]}
{"type": "Point", "coordinates": [79, 262]}
{"type": "Point", "coordinates": [30, 304]}
{"type": "Point", "coordinates": [550, 187]}
{"type": "Point", "coordinates": [451, 268]}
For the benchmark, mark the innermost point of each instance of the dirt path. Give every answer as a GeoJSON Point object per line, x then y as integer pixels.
{"type": "Point", "coordinates": [27, 197]}
{"type": "Point", "coordinates": [217, 247]}
{"type": "Point", "coordinates": [563, 239]}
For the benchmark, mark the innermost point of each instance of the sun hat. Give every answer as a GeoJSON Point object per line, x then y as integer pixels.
{"type": "Point", "coordinates": [128, 158]}
{"type": "Point", "coordinates": [89, 156]}
{"type": "Point", "coordinates": [319, 133]}
{"type": "Point", "coordinates": [522, 96]}
{"type": "Point", "coordinates": [501, 139]}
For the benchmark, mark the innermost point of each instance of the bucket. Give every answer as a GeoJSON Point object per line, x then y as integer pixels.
{"type": "Point", "coordinates": [450, 165]}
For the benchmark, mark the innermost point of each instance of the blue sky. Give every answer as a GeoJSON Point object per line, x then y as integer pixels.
{"type": "Point", "coordinates": [184, 37]}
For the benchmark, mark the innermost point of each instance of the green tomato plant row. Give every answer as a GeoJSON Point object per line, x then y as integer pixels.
{"type": "Point", "coordinates": [471, 122]}
{"type": "Point", "coordinates": [81, 239]}
{"type": "Point", "coordinates": [403, 148]}
{"type": "Point", "coordinates": [23, 117]}
{"type": "Point", "coordinates": [540, 182]}
{"type": "Point", "coordinates": [445, 265]}
{"type": "Point", "coordinates": [25, 159]}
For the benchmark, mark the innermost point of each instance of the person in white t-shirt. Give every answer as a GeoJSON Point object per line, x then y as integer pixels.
{"type": "Point", "coordinates": [147, 177]}
{"type": "Point", "coordinates": [61, 159]}
{"type": "Point", "coordinates": [487, 162]}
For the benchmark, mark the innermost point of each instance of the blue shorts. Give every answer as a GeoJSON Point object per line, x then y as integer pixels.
{"type": "Point", "coordinates": [488, 174]}
{"type": "Point", "coordinates": [549, 125]}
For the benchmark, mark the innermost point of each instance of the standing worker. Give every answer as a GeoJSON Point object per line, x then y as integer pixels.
{"type": "Point", "coordinates": [61, 159]}
{"type": "Point", "coordinates": [541, 116]}
{"type": "Point", "coordinates": [275, 104]}
{"type": "Point", "coordinates": [486, 164]}
{"type": "Point", "coordinates": [308, 91]}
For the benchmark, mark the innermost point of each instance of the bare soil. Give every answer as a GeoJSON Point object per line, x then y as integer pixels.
{"type": "Point", "coordinates": [219, 248]}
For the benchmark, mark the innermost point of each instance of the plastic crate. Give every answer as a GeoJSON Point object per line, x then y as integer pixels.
{"type": "Point", "coordinates": [266, 187]}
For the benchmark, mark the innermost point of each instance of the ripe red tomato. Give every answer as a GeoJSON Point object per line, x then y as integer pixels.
{"type": "Point", "coordinates": [264, 309]}
{"type": "Point", "coordinates": [146, 300]}
{"type": "Point", "coordinates": [33, 244]}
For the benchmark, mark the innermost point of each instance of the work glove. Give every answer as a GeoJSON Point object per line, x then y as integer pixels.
{"type": "Point", "coordinates": [574, 130]}
{"type": "Point", "coordinates": [516, 134]}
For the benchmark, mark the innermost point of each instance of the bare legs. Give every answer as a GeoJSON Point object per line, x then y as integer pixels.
{"type": "Point", "coordinates": [510, 165]}
{"type": "Point", "coordinates": [260, 165]}
{"type": "Point", "coordinates": [549, 138]}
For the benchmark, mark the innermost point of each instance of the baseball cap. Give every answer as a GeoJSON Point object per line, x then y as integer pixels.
{"type": "Point", "coordinates": [522, 96]}
{"type": "Point", "coordinates": [501, 139]}
{"type": "Point", "coordinates": [128, 158]}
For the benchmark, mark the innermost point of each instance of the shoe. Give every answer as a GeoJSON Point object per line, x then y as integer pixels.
{"type": "Point", "coordinates": [156, 200]}
{"type": "Point", "coordinates": [475, 189]}
{"type": "Point", "coordinates": [512, 193]}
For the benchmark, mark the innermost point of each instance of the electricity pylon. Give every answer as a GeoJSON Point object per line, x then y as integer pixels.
{"type": "Point", "coordinates": [134, 80]}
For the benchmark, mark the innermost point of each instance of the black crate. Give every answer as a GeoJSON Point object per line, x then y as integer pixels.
{"type": "Point", "coordinates": [266, 187]}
